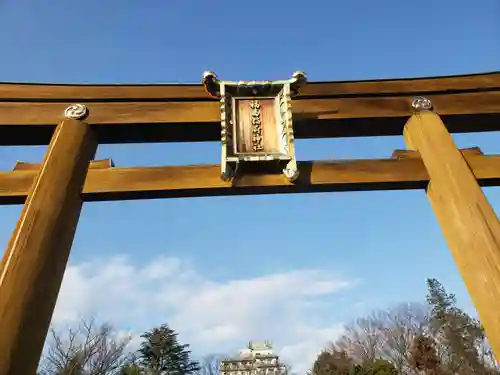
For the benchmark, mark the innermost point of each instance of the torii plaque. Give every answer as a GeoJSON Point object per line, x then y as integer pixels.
{"type": "Point", "coordinates": [256, 122]}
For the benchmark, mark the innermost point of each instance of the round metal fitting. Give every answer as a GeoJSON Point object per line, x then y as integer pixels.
{"type": "Point", "coordinates": [299, 76]}
{"type": "Point", "coordinates": [229, 173]}
{"type": "Point", "coordinates": [291, 173]}
{"type": "Point", "coordinates": [76, 112]}
{"type": "Point", "coordinates": [209, 75]}
{"type": "Point", "coordinates": [421, 103]}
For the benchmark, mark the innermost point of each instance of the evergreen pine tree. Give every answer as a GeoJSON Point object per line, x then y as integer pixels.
{"type": "Point", "coordinates": [161, 353]}
{"type": "Point", "coordinates": [423, 355]}
{"type": "Point", "coordinates": [457, 332]}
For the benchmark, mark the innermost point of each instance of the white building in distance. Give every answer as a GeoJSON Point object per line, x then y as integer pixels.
{"type": "Point", "coordinates": [257, 359]}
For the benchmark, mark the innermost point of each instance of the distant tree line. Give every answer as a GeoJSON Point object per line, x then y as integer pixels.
{"type": "Point", "coordinates": [88, 349]}
{"type": "Point", "coordinates": [431, 338]}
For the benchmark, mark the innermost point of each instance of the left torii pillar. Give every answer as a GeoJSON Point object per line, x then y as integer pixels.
{"type": "Point", "coordinates": [33, 265]}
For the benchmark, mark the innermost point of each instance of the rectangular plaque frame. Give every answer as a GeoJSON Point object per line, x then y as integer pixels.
{"type": "Point", "coordinates": [256, 123]}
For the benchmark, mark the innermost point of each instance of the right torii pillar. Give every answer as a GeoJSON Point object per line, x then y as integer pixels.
{"type": "Point", "coordinates": [468, 222]}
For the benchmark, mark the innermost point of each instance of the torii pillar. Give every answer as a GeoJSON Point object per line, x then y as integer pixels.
{"type": "Point", "coordinates": [468, 222]}
{"type": "Point", "coordinates": [33, 265]}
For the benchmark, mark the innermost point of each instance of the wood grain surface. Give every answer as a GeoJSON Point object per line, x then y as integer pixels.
{"type": "Point", "coordinates": [124, 114]}
{"type": "Point", "coordinates": [404, 171]}
{"type": "Point", "coordinates": [33, 264]}
{"type": "Point", "coordinates": [70, 93]}
{"type": "Point", "coordinates": [469, 223]}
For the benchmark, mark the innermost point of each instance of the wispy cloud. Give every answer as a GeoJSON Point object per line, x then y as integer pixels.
{"type": "Point", "coordinates": [212, 316]}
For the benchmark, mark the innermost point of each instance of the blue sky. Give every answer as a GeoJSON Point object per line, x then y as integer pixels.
{"type": "Point", "coordinates": [356, 251]}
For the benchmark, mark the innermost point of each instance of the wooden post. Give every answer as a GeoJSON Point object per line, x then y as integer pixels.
{"type": "Point", "coordinates": [34, 262]}
{"type": "Point", "coordinates": [469, 224]}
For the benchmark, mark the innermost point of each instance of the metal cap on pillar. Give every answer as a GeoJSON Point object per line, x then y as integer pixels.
{"type": "Point", "coordinates": [421, 103]}
{"type": "Point", "coordinates": [76, 112]}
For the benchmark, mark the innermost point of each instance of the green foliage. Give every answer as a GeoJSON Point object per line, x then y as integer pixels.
{"type": "Point", "coordinates": [423, 355]}
{"type": "Point", "coordinates": [459, 334]}
{"type": "Point", "coordinates": [131, 369]}
{"type": "Point", "coordinates": [162, 354]}
{"type": "Point", "coordinates": [378, 367]}
{"type": "Point", "coordinates": [443, 340]}
{"type": "Point", "coordinates": [339, 363]}
{"type": "Point", "coordinates": [332, 363]}
{"type": "Point", "coordinates": [382, 367]}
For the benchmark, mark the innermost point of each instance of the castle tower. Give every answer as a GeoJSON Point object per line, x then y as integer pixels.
{"type": "Point", "coordinates": [257, 359]}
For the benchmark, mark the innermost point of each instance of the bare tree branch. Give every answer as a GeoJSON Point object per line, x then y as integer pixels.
{"type": "Point", "coordinates": [84, 350]}
{"type": "Point", "coordinates": [361, 340]}
{"type": "Point", "coordinates": [398, 328]}
{"type": "Point", "coordinates": [209, 365]}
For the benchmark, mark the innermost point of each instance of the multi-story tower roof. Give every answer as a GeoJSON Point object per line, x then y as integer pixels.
{"type": "Point", "coordinates": [257, 359]}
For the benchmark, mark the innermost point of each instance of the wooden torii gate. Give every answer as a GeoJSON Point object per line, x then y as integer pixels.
{"type": "Point", "coordinates": [74, 119]}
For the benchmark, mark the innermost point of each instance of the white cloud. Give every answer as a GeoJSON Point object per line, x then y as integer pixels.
{"type": "Point", "coordinates": [214, 317]}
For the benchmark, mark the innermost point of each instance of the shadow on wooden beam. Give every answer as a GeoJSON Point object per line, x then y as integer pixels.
{"type": "Point", "coordinates": [411, 154]}
{"type": "Point", "coordinates": [94, 164]}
